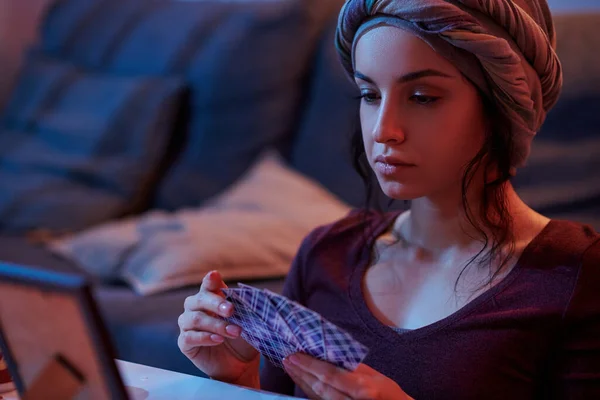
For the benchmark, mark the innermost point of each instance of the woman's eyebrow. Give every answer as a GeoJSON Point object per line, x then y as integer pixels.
{"type": "Point", "coordinates": [408, 77]}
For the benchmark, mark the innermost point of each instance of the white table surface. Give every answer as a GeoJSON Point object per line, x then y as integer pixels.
{"type": "Point", "coordinates": [148, 383]}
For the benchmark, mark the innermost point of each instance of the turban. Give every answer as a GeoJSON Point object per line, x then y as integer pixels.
{"type": "Point", "coordinates": [506, 48]}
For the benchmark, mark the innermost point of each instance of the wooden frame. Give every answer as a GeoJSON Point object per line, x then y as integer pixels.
{"type": "Point", "coordinates": [68, 288]}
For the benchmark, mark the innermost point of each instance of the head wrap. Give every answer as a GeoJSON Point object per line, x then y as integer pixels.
{"type": "Point", "coordinates": [504, 47]}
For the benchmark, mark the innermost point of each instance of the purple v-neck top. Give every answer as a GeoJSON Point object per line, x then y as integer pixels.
{"type": "Point", "coordinates": [536, 334]}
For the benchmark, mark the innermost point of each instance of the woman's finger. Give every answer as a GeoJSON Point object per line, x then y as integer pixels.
{"type": "Point", "coordinates": [213, 282]}
{"type": "Point", "coordinates": [338, 378]}
{"type": "Point", "coordinates": [295, 375]}
{"type": "Point", "coordinates": [190, 340]}
{"type": "Point", "coordinates": [312, 386]}
{"type": "Point", "coordinates": [200, 321]}
{"type": "Point", "coordinates": [206, 300]}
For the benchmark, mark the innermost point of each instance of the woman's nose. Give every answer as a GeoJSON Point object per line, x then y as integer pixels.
{"type": "Point", "coordinates": [388, 128]}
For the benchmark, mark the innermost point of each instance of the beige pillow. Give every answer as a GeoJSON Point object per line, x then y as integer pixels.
{"type": "Point", "coordinates": [251, 231]}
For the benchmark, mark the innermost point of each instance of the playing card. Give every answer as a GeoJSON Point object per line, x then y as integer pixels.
{"type": "Point", "coordinates": [253, 299]}
{"type": "Point", "coordinates": [260, 335]}
{"type": "Point", "coordinates": [278, 327]}
{"type": "Point", "coordinates": [341, 349]}
{"type": "Point", "coordinates": [317, 334]}
{"type": "Point", "coordinates": [306, 325]}
{"type": "Point", "coordinates": [262, 327]}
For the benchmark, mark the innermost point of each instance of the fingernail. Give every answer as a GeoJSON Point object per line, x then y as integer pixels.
{"type": "Point", "coordinates": [216, 338]}
{"type": "Point", "coordinates": [233, 330]}
{"type": "Point", "coordinates": [225, 307]}
{"type": "Point", "coordinates": [293, 359]}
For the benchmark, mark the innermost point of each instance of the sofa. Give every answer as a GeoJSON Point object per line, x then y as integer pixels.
{"type": "Point", "coordinates": [138, 109]}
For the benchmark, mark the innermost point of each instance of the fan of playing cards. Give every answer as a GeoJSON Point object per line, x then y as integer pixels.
{"type": "Point", "coordinates": [278, 327]}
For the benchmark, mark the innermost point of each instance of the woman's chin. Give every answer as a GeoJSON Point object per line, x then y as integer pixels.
{"type": "Point", "coordinates": [400, 191]}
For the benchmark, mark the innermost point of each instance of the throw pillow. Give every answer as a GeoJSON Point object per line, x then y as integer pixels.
{"type": "Point", "coordinates": [245, 61]}
{"type": "Point", "coordinates": [79, 148]}
{"type": "Point", "coordinates": [251, 231]}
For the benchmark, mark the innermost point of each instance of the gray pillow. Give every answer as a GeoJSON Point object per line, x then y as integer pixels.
{"type": "Point", "coordinates": [251, 231]}
{"type": "Point", "coordinates": [245, 61]}
{"type": "Point", "coordinates": [78, 148]}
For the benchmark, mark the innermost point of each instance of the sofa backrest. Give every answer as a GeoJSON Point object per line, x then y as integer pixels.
{"type": "Point", "coordinates": [321, 148]}
{"type": "Point", "coordinates": [573, 5]}
{"type": "Point", "coordinates": [244, 62]}
{"type": "Point", "coordinates": [562, 178]}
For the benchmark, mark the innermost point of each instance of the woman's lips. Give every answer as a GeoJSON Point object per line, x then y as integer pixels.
{"type": "Point", "coordinates": [392, 169]}
{"type": "Point", "coordinates": [391, 166]}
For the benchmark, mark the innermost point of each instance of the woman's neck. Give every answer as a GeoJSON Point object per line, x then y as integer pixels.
{"type": "Point", "coordinates": [439, 225]}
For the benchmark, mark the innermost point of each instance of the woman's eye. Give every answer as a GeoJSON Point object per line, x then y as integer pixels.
{"type": "Point", "coordinates": [369, 97]}
{"type": "Point", "coordinates": [424, 100]}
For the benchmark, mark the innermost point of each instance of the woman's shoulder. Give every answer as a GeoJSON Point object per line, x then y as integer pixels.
{"type": "Point", "coordinates": [570, 237]}
{"type": "Point", "coordinates": [584, 303]}
{"type": "Point", "coordinates": [358, 223]}
{"type": "Point", "coordinates": [568, 247]}
{"type": "Point", "coordinates": [348, 234]}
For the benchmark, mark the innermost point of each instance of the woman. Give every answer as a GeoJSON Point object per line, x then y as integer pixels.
{"type": "Point", "coordinates": [470, 293]}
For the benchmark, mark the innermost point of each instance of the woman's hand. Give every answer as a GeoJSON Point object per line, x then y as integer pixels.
{"type": "Point", "coordinates": [322, 380]}
{"type": "Point", "coordinates": [211, 343]}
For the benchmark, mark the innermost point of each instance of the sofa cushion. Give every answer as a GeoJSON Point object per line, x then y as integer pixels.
{"type": "Point", "coordinates": [251, 231]}
{"type": "Point", "coordinates": [244, 60]}
{"type": "Point", "coordinates": [78, 147]}
{"type": "Point", "coordinates": [321, 149]}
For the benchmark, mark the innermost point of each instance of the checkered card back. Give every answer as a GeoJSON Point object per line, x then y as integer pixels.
{"type": "Point", "coordinates": [261, 334]}
{"type": "Point", "coordinates": [254, 299]}
{"type": "Point", "coordinates": [305, 324]}
{"type": "Point", "coordinates": [342, 350]}
{"type": "Point", "coordinates": [267, 318]}
{"type": "Point", "coordinates": [319, 335]}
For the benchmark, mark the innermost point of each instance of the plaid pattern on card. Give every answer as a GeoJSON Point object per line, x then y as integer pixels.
{"type": "Point", "coordinates": [307, 325]}
{"type": "Point", "coordinates": [260, 335]}
{"type": "Point", "coordinates": [278, 327]}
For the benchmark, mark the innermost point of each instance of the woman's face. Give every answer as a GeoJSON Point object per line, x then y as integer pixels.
{"type": "Point", "coordinates": [422, 121]}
